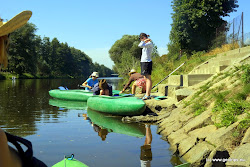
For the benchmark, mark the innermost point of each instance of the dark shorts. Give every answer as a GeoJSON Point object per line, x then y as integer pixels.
{"type": "Point", "coordinates": [146, 68]}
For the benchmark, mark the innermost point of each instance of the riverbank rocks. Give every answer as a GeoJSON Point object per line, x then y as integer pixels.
{"type": "Point", "coordinates": [246, 138]}
{"type": "Point", "coordinates": [194, 134]}
{"type": "Point", "coordinates": [157, 106]}
{"type": "Point", "coordinates": [219, 153]}
{"type": "Point", "coordinates": [240, 157]}
{"type": "Point", "coordinates": [198, 154]}
{"type": "Point", "coordinates": [223, 136]}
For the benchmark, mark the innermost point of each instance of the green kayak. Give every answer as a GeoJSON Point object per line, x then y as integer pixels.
{"type": "Point", "coordinates": [70, 162]}
{"type": "Point", "coordinates": [117, 105]}
{"type": "Point", "coordinates": [76, 105]}
{"type": "Point", "coordinates": [114, 124]}
{"type": "Point", "coordinates": [74, 94]}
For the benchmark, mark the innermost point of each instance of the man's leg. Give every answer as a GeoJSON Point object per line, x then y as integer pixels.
{"type": "Point", "coordinates": [148, 84]}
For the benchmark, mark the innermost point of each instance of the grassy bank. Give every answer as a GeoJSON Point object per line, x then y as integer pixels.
{"type": "Point", "coordinates": [228, 96]}
{"type": "Point", "coordinates": [165, 64]}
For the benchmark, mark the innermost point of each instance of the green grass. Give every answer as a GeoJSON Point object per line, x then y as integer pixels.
{"type": "Point", "coordinates": [246, 74]}
{"type": "Point", "coordinates": [230, 110]}
{"type": "Point", "coordinates": [244, 93]}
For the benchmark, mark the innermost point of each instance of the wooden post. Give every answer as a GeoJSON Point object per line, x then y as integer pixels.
{"type": "Point", "coordinates": [242, 31]}
{"type": "Point", "coordinates": [233, 33]}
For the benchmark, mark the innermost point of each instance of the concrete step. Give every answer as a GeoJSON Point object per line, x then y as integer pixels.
{"type": "Point", "coordinates": [210, 70]}
{"type": "Point", "coordinates": [192, 79]}
{"type": "Point", "coordinates": [175, 80]}
{"type": "Point", "coordinates": [175, 92]}
{"type": "Point", "coordinates": [223, 59]}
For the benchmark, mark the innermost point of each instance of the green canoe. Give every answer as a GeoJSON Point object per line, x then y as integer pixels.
{"type": "Point", "coordinates": [76, 105]}
{"type": "Point", "coordinates": [114, 124]}
{"type": "Point", "coordinates": [74, 94]}
{"type": "Point", "coordinates": [117, 105]}
{"type": "Point", "coordinates": [70, 163]}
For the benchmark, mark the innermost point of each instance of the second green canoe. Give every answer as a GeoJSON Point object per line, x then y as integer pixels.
{"type": "Point", "coordinates": [117, 105]}
{"type": "Point", "coordinates": [73, 94]}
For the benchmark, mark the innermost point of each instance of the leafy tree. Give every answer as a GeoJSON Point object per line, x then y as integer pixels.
{"type": "Point", "coordinates": [22, 53]}
{"type": "Point", "coordinates": [28, 53]}
{"type": "Point", "coordinates": [195, 22]}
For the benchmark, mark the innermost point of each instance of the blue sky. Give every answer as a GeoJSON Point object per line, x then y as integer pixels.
{"type": "Point", "coordinates": [94, 26]}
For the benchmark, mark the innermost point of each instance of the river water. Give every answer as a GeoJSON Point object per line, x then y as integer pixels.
{"type": "Point", "coordinates": [57, 128]}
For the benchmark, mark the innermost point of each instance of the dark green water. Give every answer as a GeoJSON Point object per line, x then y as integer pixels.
{"type": "Point", "coordinates": [57, 128]}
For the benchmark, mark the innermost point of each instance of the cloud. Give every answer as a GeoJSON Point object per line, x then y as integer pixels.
{"type": "Point", "coordinates": [100, 55]}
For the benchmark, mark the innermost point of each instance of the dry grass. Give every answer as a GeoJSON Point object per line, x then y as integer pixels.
{"type": "Point", "coordinates": [222, 49]}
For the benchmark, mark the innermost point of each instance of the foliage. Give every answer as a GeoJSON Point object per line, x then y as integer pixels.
{"type": "Point", "coordinates": [246, 74]}
{"type": "Point", "coordinates": [198, 108]}
{"type": "Point", "coordinates": [195, 22]}
{"type": "Point", "coordinates": [28, 53]}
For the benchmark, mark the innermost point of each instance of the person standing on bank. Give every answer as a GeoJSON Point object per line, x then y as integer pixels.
{"type": "Point", "coordinates": [91, 81]}
{"type": "Point", "coordinates": [146, 62]}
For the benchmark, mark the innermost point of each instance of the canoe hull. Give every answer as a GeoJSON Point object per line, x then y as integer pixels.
{"type": "Point", "coordinates": [75, 95]}
{"type": "Point", "coordinates": [117, 105]}
{"type": "Point", "coordinates": [71, 163]}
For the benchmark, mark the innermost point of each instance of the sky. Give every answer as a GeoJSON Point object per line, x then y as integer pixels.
{"type": "Point", "coordinates": [94, 26]}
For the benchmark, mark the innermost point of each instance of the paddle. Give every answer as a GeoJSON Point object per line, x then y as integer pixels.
{"type": "Point", "coordinates": [63, 88]}
{"type": "Point", "coordinates": [168, 75]}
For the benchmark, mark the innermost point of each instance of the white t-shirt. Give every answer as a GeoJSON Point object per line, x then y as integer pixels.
{"type": "Point", "coordinates": [147, 49]}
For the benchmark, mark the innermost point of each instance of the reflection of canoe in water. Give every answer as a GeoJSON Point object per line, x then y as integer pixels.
{"type": "Point", "coordinates": [117, 105]}
{"type": "Point", "coordinates": [115, 124]}
{"type": "Point", "coordinates": [71, 162]}
{"type": "Point", "coordinates": [74, 94]}
{"type": "Point", "coordinates": [77, 105]}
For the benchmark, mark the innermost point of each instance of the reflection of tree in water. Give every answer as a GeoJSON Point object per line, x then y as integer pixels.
{"type": "Point", "coordinates": [24, 104]}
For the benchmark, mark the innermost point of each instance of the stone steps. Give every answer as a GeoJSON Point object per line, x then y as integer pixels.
{"type": "Point", "coordinates": [177, 85]}
{"type": "Point", "coordinates": [221, 61]}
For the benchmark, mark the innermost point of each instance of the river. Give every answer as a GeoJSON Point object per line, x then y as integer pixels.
{"type": "Point", "coordinates": [57, 128]}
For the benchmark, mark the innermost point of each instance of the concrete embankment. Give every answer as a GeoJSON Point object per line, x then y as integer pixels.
{"type": "Point", "coordinates": [206, 118]}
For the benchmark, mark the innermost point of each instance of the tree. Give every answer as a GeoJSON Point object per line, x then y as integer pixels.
{"type": "Point", "coordinates": [28, 53]}
{"type": "Point", "coordinates": [22, 51]}
{"type": "Point", "coordinates": [195, 22]}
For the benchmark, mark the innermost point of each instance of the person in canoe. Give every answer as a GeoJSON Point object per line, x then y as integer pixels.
{"type": "Point", "coordinates": [102, 88]}
{"type": "Point", "coordinates": [139, 79]}
{"type": "Point", "coordinates": [91, 81]}
{"type": "Point", "coordinates": [10, 156]}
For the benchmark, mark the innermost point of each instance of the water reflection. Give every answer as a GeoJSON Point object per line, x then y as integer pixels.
{"type": "Point", "coordinates": [114, 124]}
{"type": "Point", "coordinates": [146, 153]}
{"type": "Point", "coordinates": [55, 130]}
{"type": "Point", "coordinates": [64, 104]}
